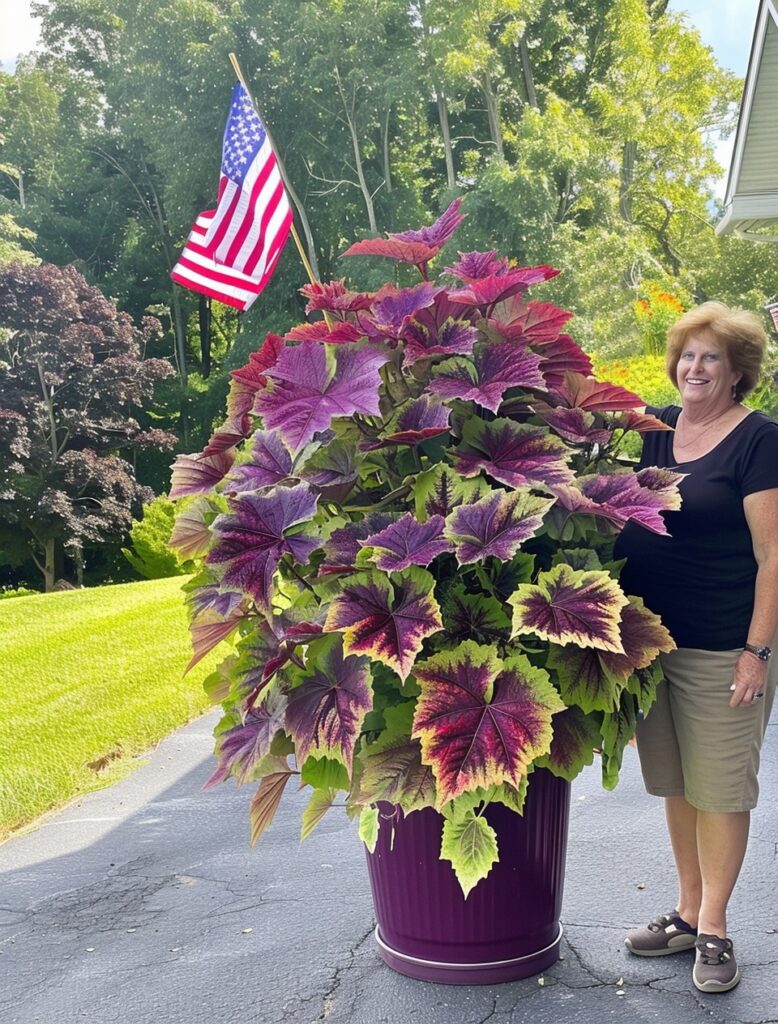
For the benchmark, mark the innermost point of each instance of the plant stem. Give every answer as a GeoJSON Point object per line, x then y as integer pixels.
{"type": "Point", "coordinates": [400, 492]}
{"type": "Point", "coordinates": [291, 567]}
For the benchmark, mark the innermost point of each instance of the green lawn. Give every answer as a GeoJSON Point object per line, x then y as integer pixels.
{"type": "Point", "coordinates": [89, 677]}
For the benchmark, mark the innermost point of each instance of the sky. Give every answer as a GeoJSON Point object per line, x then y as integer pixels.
{"type": "Point", "coordinates": [725, 25]}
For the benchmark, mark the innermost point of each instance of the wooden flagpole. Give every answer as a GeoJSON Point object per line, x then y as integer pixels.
{"type": "Point", "coordinates": [303, 255]}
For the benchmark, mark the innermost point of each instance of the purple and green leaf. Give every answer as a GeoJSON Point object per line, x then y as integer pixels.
{"type": "Point", "coordinates": [496, 525]}
{"type": "Point", "coordinates": [488, 374]}
{"type": "Point", "coordinates": [326, 709]}
{"type": "Point", "coordinates": [407, 542]}
{"type": "Point", "coordinates": [481, 721]}
{"type": "Point", "coordinates": [386, 619]}
{"type": "Point", "coordinates": [513, 453]}
{"type": "Point", "coordinates": [251, 541]}
{"type": "Point", "coordinates": [568, 606]}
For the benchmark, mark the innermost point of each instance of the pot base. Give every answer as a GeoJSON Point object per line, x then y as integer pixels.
{"type": "Point", "coordinates": [469, 974]}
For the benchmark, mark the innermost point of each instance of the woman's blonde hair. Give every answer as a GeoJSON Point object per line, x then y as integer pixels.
{"type": "Point", "coordinates": [739, 332]}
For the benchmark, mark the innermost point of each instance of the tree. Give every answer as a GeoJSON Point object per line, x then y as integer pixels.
{"type": "Point", "coordinates": [71, 374]}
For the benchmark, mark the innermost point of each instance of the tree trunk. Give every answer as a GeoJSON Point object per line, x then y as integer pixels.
{"type": "Point", "coordinates": [526, 74]}
{"type": "Point", "coordinates": [493, 112]}
{"type": "Point", "coordinates": [357, 156]}
{"type": "Point", "coordinates": [204, 317]}
{"type": "Point", "coordinates": [387, 163]}
{"type": "Point", "coordinates": [445, 131]}
{"type": "Point", "coordinates": [50, 564]}
{"type": "Point", "coordinates": [626, 177]}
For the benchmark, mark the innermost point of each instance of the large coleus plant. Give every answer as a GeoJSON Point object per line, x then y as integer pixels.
{"type": "Point", "coordinates": [406, 527]}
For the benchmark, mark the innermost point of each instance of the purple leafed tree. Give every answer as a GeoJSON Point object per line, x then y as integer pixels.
{"type": "Point", "coordinates": [72, 378]}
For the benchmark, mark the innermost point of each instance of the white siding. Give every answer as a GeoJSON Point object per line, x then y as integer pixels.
{"type": "Point", "coordinates": [759, 165]}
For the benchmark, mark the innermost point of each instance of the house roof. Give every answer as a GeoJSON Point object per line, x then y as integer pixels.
{"type": "Point", "coordinates": [751, 202]}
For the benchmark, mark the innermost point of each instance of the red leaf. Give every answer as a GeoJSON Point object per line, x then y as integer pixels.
{"type": "Point", "coordinates": [266, 801]}
{"type": "Point", "coordinates": [404, 252]}
{"type": "Point", "coordinates": [593, 395]}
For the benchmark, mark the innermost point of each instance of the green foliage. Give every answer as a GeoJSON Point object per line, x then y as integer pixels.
{"type": "Point", "coordinates": [644, 374]}
{"type": "Point", "coordinates": [150, 555]}
{"type": "Point", "coordinates": [6, 593]}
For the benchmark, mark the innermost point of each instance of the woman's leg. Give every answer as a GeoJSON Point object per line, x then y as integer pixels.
{"type": "Point", "coordinates": [682, 824]}
{"type": "Point", "coordinates": [721, 846]}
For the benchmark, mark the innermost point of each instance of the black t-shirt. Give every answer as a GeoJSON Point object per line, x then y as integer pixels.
{"type": "Point", "coordinates": [701, 578]}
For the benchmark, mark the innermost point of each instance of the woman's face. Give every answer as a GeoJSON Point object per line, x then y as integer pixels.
{"type": "Point", "coordinates": [704, 374]}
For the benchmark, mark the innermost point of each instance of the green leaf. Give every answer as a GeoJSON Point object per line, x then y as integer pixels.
{"type": "Point", "coordinates": [576, 734]}
{"type": "Point", "coordinates": [320, 802]}
{"type": "Point", "coordinates": [324, 773]}
{"type": "Point", "coordinates": [643, 683]}
{"type": "Point", "coordinates": [470, 844]}
{"type": "Point", "coordinates": [618, 729]}
{"type": "Point", "coordinates": [368, 827]}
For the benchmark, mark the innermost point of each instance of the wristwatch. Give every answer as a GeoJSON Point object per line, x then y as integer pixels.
{"type": "Point", "coordinates": [763, 653]}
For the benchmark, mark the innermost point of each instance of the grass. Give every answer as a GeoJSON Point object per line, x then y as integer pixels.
{"type": "Point", "coordinates": [89, 679]}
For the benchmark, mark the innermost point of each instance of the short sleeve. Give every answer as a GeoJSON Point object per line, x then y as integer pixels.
{"type": "Point", "coordinates": [760, 472]}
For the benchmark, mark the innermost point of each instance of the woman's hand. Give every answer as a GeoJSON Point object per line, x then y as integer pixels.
{"type": "Point", "coordinates": [750, 679]}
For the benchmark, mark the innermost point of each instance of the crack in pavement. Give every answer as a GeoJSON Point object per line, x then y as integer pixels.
{"type": "Point", "coordinates": [328, 1000]}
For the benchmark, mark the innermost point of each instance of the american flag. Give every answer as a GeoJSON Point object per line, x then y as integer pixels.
{"type": "Point", "coordinates": [233, 250]}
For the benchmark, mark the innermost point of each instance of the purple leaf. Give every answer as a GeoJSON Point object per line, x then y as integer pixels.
{"type": "Point", "coordinates": [496, 525]}
{"type": "Point", "coordinates": [270, 462]}
{"type": "Point", "coordinates": [343, 546]}
{"type": "Point", "coordinates": [325, 712]}
{"type": "Point", "coordinates": [313, 384]}
{"type": "Point", "coordinates": [441, 329]}
{"type": "Point", "coordinates": [387, 620]}
{"type": "Point", "coordinates": [408, 542]}
{"type": "Point", "coordinates": [239, 750]}
{"type": "Point", "coordinates": [641, 422]}
{"type": "Point", "coordinates": [436, 234]}
{"type": "Point", "coordinates": [513, 453]}
{"type": "Point", "coordinates": [492, 370]}
{"type": "Point", "coordinates": [393, 305]}
{"type": "Point", "coordinates": [252, 540]}
{"type": "Point", "coordinates": [247, 380]}
{"type": "Point", "coordinates": [575, 425]}
{"type": "Point", "coordinates": [208, 629]}
{"type": "Point", "coordinates": [560, 357]}
{"type": "Point", "coordinates": [472, 266]}
{"type": "Point", "coordinates": [199, 474]}
{"type": "Point", "coordinates": [417, 421]}
{"type": "Point", "coordinates": [620, 497]}
{"type": "Point", "coordinates": [211, 597]}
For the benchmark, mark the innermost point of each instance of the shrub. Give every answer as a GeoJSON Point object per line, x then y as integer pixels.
{"type": "Point", "coordinates": [150, 556]}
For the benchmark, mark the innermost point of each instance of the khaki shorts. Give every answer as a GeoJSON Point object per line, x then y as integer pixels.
{"type": "Point", "coordinates": [693, 744]}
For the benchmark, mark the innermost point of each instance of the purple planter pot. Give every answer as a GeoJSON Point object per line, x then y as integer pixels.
{"type": "Point", "coordinates": [507, 928]}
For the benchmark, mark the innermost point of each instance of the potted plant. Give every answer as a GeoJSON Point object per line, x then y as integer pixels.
{"type": "Point", "coordinates": [406, 525]}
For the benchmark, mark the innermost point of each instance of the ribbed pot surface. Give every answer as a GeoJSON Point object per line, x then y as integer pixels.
{"type": "Point", "coordinates": [508, 927]}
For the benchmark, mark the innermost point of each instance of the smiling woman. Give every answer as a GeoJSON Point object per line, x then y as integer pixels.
{"type": "Point", "coordinates": [714, 581]}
